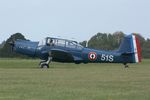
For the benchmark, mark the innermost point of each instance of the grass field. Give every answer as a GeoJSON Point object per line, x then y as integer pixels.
{"type": "Point", "coordinates": [23, 80]}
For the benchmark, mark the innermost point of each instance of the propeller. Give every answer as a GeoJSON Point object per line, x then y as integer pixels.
{"type": "Point", "coordinates": [12, 44]}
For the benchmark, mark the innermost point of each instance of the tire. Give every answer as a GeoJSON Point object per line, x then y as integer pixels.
{"type": "Point", "coordinates": [45, 66]}
{"type": "Point", "coordinates": [126, 66]}
{"type": "Point", "coordinates": [77, 62]}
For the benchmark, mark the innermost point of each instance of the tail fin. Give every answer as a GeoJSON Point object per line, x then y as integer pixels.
{"type": "Point", "coordinates": [131, 46]}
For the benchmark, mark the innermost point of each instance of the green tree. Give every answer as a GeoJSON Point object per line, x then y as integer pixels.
{"type": "Point", "coordinates": [2, 44]}
{"type": "Point", "coordinates": [117, 38]}
{"type": "Point", "coordinates": [106, 41]}
{"type": "Point", "coordinates": [6, 50]}
{"type": "Point", "coordinates": [146, 49]}
{"type": "Point", "coordinates": [84, 43]}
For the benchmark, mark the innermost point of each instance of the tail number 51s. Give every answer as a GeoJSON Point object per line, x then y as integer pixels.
{"type": "Point", "coordinates": [105, 57]}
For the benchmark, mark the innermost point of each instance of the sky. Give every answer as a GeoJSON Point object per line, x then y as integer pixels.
{"type": "Point", "coordinates": [73, 19]}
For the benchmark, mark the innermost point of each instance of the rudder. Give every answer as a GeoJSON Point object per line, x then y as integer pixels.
{"type": "Point", "coordinates": [136, 48]}
{"type": "Point", "coordinates": [131, 46]}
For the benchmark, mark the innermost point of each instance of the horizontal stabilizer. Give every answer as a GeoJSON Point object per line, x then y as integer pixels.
{"type": "Point", "coordinates": [127, 53]}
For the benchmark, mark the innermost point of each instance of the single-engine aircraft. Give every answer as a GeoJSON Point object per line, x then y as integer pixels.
{"type": "Point", "coordinates": [68, 51]}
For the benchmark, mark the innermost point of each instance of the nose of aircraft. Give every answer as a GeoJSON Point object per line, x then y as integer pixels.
{"type": "Point", "coordinates": [24, 47]}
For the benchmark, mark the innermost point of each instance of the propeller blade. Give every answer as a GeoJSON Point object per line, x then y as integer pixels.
{"type": "Point", "coordinates": [12, 44]}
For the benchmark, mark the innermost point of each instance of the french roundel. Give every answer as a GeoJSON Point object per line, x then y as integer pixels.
{"type": "Point", "coordinates": [92, 56]}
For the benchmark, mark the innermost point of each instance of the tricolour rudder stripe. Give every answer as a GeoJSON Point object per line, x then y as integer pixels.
{"type": "Point", "coordinates": [135, 58]}
{"type": "Point", "coordinates": [136, 49]}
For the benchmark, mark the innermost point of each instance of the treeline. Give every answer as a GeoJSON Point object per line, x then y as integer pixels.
{"type": "Point", "coordinates": [103, 41]}
{"type": "Point", "coordinates": [6, 49]}
{"type": "Point", "coordinates": [107, 41]}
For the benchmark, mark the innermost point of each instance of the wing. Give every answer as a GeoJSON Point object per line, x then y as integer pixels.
{"type": "Point", "coordinates": [61, 55]}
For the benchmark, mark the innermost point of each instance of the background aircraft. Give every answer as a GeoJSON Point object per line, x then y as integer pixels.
{"type": "Point", "coordinates": [68, 51]}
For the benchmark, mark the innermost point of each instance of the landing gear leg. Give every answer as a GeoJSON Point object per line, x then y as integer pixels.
{"type": "Point", "coordinates": [45, 64]}
{"type": "Point", "coordinates": [126, 66]}
{"type": "Point", "coordinates": [42, 62]}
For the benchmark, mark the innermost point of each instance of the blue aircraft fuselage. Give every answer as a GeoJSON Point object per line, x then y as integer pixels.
{"type": "Point", "coordinates": [70, 51]}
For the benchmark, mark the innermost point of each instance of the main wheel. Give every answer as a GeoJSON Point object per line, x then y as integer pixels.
{"type": "Point", "coordinates": [44, 66]}
{"type": "Point", "coordinates": [126, 66]}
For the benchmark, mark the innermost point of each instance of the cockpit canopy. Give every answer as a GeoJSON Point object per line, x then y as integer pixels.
{"type": "Point", "coordinates": [61, 43]}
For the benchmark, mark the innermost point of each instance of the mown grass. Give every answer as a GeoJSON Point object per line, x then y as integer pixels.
{"type": "Point", "coordinates": [24, 80]}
